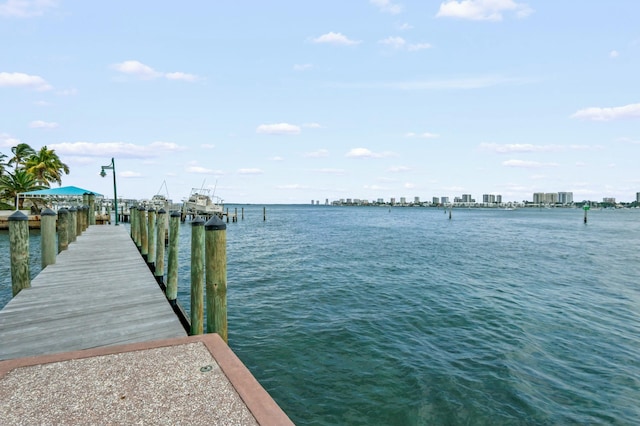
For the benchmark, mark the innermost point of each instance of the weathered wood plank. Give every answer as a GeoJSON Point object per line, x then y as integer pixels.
{"type": "Point", "coordinates": [99, 293]}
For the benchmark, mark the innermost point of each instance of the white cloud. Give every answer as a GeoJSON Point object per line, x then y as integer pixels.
{"type": "Point", "coordinates": [482, 10]}
{"type": "Point", "coordinates": [250, 171]}
{"type": "Point", "coordinates": [312, 125]}
{"type": "Point", "coordinates": [302, 67]}
{"type": "Point", "coordinates": [335, 38]}
{"type": "Point", "coordinates": [608, 114]}
{"type": "Point", "coordinates": [115, 149]}
{"type": "Point", "coordinates": [39, 124]}
{"type": "Point", "coordinates": [395, 42]}
{"type": "Point", "coordinates": [614, 54]}
{"type": "Point", "coordinates": [387, 6]}
{"type": "Point", "coordinates": [136, 68]}
{"type": "Point", "coordinates": [129, 174]}
{"type": "Point", "coordinates": [401, 44]}
{"type": "Point", "coordinates": [528, 164]}
{"type": "Point", "coordinates": [321, 153]}
{"type": "Point", "coordinates": [25, 8]}
{"type": "Point", "coordinates": [366, 153]}
{"type": "Point", "coordinates": [145, 72]}
{"type": "Point", "coordinates": [278, 129]}
{"type": "Point", "coordinates": [19, 79]}
{"type": "Point", "coordinates": [425, 135]}
{"type": "Point", "coordinates": [8, 141]}
{"type": "Point", "coordinates": [181, 76]}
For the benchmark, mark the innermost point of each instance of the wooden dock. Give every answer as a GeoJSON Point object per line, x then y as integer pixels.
{"type": "Point", "coordinates": [99, 293]}
{"type": "Point", "coordinates": [95, 341]}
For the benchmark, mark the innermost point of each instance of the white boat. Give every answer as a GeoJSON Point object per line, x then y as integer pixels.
{"type": "Point", "coordinates": [200, 202]}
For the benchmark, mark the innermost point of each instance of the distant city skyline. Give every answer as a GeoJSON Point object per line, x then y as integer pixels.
{"type": "Point", "coordinates": [285, 101]}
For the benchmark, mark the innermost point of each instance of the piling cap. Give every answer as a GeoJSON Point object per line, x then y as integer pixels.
{"type": "Point", "coordinates": [161, 211]}
{"type": "Point", "coordinates": [47, 212]}
{"type": "Point", "coordinates": [63, 211]}
{"type": "Point", "coordinates": [175, 213]}
{"type": "Point", "coordinates": [151, 210]}
{"type": "Point", "coordinates": [73, 209]}
{"type": "Point", "coordinates": [18, 215]}
{"type": "Point", "coordinates": [198, 221]}
{"type": "Point", "coordinates": [142, 209]}
{"type": "Point", "coordinates": [215, 224]}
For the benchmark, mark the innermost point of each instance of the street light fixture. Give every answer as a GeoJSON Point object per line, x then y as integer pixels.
{"type": "Point", "coordinates": [112, 166]}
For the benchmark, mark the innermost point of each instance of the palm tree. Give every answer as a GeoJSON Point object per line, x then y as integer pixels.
{"type": "Point", "coordinates": [46, 166]}
{"type": "Point", "coordinates": [3, 163]}
{"type": "Point", "coordinates": [21, 153]}
{"type": "Point", "coordinates": [12, 184]}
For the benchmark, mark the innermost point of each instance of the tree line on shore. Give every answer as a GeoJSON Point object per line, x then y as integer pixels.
{"type": "Point", "coordinates": [27, 169]}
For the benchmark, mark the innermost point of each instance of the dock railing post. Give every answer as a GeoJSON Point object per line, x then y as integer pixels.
{"type": "Point", "coordinates": [172, 267]}
{"type": "Point", "coordinates": [78, 221]}
{"type": "Point", "coordinates": [144, 236]}
{"type": "Point", "coordinates": [216, 276]}
{"type": "Point", "coordinates": [132, 222]}
{"type": "Point", "coordinates": [151, 254]}
{"type": "Point", "coordinates": [63, 229]}
{"type": "Point", "coordinates": [197, 276]}
{"type": "Point", "coordinates": [48, 246]}
{"type": "Point", "coordinates": [19, 251]}
{"type": "Point", "coordinates": [73, 224]}
{"type": "Point", "coordinates": [92, 208]}
{"type": "Point", "coordinates": [160, 231]}
{"type": "Point", "coordinates": [85, 217]}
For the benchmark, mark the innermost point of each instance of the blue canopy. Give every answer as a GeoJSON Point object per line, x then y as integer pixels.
{"type": "Point", "coordinates": [63, 191]}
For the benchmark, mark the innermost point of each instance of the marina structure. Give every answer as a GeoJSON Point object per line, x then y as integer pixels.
{"type": "Point", "coordinates": [93, 339]}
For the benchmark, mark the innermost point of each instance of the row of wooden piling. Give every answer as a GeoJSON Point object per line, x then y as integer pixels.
{"type": "Point", "coordinates": [208, 263]}
{"type": "Point", "coordinates": [64, 227]}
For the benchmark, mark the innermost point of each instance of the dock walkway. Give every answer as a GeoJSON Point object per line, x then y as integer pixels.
{"type": "Point", "coordinates": [99, 293]}
{"type": "Point", "coordinates": [94, 341]}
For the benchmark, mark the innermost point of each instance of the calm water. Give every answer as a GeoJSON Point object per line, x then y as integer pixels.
{"type": "Point", "coordinates": [365, 316]}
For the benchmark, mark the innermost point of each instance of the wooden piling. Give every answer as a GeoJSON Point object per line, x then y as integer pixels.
{"type": "Point", "coordinates": [73, 225]}
{"type": "Point", "coordinates": [216, 276]}
{"type": "Point", "coordinates": [151, 255]}
{"type": "Point", "coordinates": [243, 213]}
{"type": "Point", "coordinates": [132, 222]}
{"type": "Point", "coordinates": [63, 229]}
{"type": "Point", "coordinates": [48, 245]}
{"type": "Point", "coordinates": [172, 267]}
{"type": "Point", "coordinates": [19, 251]}
{"type": "Point", "coordinates": [197, 276]}
{"type": "Point", "coordinates": [78, 221]}
{"type": "Point", "coordinates": [227, 214]}
{"type": "Point", "coordinates": [92, 208]}
{"type": "Point", "coordinates": [235, 214]}
{"type": "Point", "coordinates": [144, 236]}
{"type": "Point", "coordinates": [160, 232]}
{"type": "Point", "coordinates": [85, 217]}
{"type": "Point", "coordinates": [264, 213]}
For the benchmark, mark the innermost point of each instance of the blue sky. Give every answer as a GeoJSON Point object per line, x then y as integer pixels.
{"type": "Point", "coordinates": [289, 101]}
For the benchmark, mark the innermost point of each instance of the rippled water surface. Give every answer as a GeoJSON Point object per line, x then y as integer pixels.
{"type": "Point", "coordinates": [370, 316]}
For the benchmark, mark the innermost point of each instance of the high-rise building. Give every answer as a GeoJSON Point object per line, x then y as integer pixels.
{"type": "Point", "coordinates": [565, 198]}
{"type": "Point", "coordinates": [436, 200]}
{"type": "Point", "coordinates": [444, 200]}
{"type": "Point", "coordinates": [466, 198]}
{"type": "Point", "coordinates": [499, 199]}
{"type": "Point", "coordinates": [638, 197]}
{"type": "Point", "coordinates": [416, 200]}
{"type": "Point", "coordinates": [488, 198]}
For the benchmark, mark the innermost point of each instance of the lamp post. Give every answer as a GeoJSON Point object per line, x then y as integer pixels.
{"type": "Point", "coordinates": [112, 166]}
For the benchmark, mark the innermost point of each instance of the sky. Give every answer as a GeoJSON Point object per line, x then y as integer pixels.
{"type": "Point", "coordinates": [291, 101]}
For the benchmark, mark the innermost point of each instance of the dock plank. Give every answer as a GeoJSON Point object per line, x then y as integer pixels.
{"type": "Point", "coordinates": [99, 293]}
